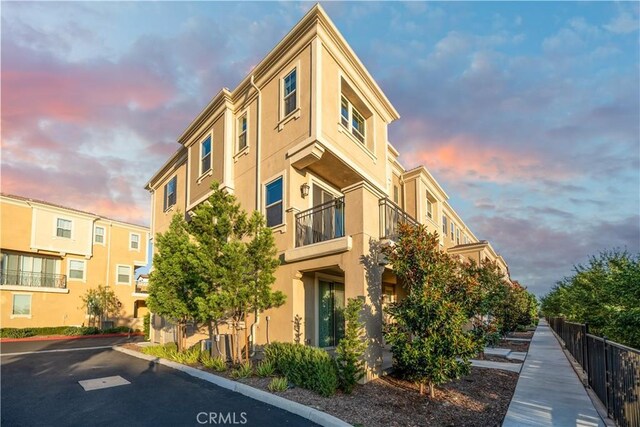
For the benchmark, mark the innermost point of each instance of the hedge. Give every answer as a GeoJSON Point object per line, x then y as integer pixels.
{"type": "Point", "coordinates": [59, 330]}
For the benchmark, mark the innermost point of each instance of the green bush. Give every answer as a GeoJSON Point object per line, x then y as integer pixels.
{"type": "Point", "coordinates": [307, 367]}
{"type": "Point", "coordinates": [278, 384]}
{"type": "Point", "coordinates": [217, 364]}
{"type": "Point", "coordinates": [81, 330]}
{"type": "Point", "coordinates": [351, 348]}
{"type": "Point", "coordinates": [16, 333]}
{"type": "Point", "coordinates": [146, 321]}
{"type": "Point", "coordinates": [170, 351]}
{"type": "Point", "coordinates": [59, 330]}
{"type": "Point", "coordinates": [117, 330]}
{"type": "Point", "coordinates": [265, 368]}
{"type": "Point", "coordinates": [244, 370]}
{"type": "Point", "coordinates": [187, 357]}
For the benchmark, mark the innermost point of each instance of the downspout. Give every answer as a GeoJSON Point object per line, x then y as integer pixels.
{"type": "Point", "coordinates": [256, 314]}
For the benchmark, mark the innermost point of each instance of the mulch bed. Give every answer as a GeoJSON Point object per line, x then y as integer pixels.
{"type": "Point", "coordinates": [514, 345]}
{"type": "Point", "coordinates": [527, 334]}
{"type": "Point", "coordinates": [480, 399]}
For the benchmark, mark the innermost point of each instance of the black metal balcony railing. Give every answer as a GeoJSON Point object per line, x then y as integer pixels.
{"type": "Point", "coordinates": [391, 216]}
{"type": "Point", "coordinates": [320, 223]}
{"type": "Point", "coordinates": [31, 279]}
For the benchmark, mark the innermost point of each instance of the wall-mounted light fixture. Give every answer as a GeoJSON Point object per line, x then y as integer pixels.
{"type": "Point", "coordinates": [304, 190]}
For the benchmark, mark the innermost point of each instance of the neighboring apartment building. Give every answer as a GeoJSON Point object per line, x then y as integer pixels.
{"type": "Point", "coordinates": [51, 255]}
{"type": "Point", "coordinates": [303, 139]}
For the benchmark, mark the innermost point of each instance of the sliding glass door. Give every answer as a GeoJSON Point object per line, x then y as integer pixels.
{"type": "Point", "coordinates": [330, 313]}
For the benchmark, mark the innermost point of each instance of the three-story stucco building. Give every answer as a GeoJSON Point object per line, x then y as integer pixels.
{"type": "Point", "coordinates": [303, 139]}
{"type": "Point", "coordinates": [52, 255]}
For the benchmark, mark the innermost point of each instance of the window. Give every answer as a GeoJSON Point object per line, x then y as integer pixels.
{"type": "Point", "coordinates": [242, 132]}
{"type": "Point", "coordinates": [395, 194]}
{"type": "Point", "coordinates": [330, 313]}
{"type": "Point", "coordinates": [21, 305]}
{"type": "Point", "coordinates": [453, 226]}
{"type": "Point", "coordinates": [444, 226]}
{"type": "Point", "coordinates": [344, 112]}
{"type": "Point", "coordinates": [429, 206]}
{"type": "Point", "coordinates": [357, 120]}
{"type": "Point", "coordinates": [76, 269]}
{"type": "Point", "coordinates": [63, 228]}
{"type": "Point", "coordinates": [123, 274]}
{"type": "Point", "coordinates": [290, 90]}
{"type": "Point", "coordinates": [98, 235]}
{"type": "Point", "coordinates": [466, 239]}
{"type": "Point", "coordinates": [170, 193]}
{"type": "Point", "coordinates": [457, 236]}
{"type": "Point", "coordinates": [205, 155]}
{"type": "Point", "coordinates": [26, 270]}
{"type": "Point", "coordinates": [274, 202]}
{"type": "Point", "coordinates": [134, 241]}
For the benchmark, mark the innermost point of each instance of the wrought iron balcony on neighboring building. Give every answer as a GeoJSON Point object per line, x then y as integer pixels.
{"type": "Point", "coordinates": [320, 223]}
{"type": "Point", "coordinates": [33, 280]}
{"type": "Point", "coordinates": [391, 216]}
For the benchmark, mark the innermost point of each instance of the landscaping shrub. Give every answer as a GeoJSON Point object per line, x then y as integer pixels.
{"type": "Point", "coordinates": [16, 333]}
{"type": "Point", "coordinates": [147, 326]}
{"type": "Point", "coordinates": [278, 384]}
{"type": "Point", "coordinates": [244, 370]}
{"type": "Point", "coordinates": [351, 348]}
{"type": "Point", "coordinates": [307, 367]}
{"type": "Point", "coordinates": [81, 330]}
{"type": "Point", "coordinates": [59, 330]}
{"type": "Point", "coordinates": [187, 357]}
{"type": "Point", "coordinates": [265, 368]}
{"type": "Point", "coordinates": [217, 364]}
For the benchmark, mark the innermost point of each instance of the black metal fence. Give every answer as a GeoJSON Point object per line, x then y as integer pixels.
{"type": "Point", "coordinates": [612, 369]}
{"type": "Point", "coordinates": [391, 216]}
{"type": "Point", "coordinates": [31, 279]}
{"type": "Point", "coordinates": [320, 223]}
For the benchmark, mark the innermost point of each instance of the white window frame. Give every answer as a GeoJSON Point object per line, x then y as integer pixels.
{"type": "Point", "coordinates": [131, 248]}
{"type": "Point", "coordinates": [165, 194]}
{"type": "Point", "coordinates": [118, 282]}
{"type": "Point", "coordinates": [24, 316]}
{"type": "Point", "coordinates": [84, 270]}
{"type": "Point", "coordinates": [265, 183]}
{"type": "Point", "coordinates": [240, 133]}
{"type": "Point", "coordinates": [453, 229]}
{"type": "Point", "coordinates": [294, 93]}
{"type": "Point", "coordinates": [95, 235]}
{"type": "Point", "coordinates": [210, 137]}
{"type": "Point", "coordinates": [70, 221]}
{"type": "Point", "coordinates": [351, 109]}
{"type": "Point", "coordinates": [429, 207]}
{"type": "Point", "coordinates": [445, 225]}
{"type": "Point", "coordinates": [457, 236]}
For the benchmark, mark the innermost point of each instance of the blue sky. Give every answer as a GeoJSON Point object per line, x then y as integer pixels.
{"type": "Point", "coordinates": [527, 113]}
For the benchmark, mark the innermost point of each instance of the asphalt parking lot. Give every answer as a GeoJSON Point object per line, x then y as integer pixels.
{"type": "Point", "coordinates": [40, 387]}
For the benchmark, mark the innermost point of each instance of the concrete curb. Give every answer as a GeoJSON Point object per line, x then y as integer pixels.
{"type": "Point", "coordinates": [69, 337]}
{"type": "Point", "coordinates": [296, 408]}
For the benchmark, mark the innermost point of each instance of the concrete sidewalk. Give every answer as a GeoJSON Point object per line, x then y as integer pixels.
{"type": "Point", "coordinates": [549, 392]}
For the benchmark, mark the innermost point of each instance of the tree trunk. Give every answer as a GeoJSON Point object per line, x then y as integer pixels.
{"type": "Point", "coordinates": [421, 388]}
{"type": "Point", "coordinates": [179, 336]}
{"type": "Point", "coordinates": [432, 390]}
{"type": "Point", "coordinates": [246, 338]}
{"type": "Point", "coordinates": [211, 339]}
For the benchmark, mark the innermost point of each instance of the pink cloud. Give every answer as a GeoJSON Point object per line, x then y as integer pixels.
{"type": "Point", "coordinates": [459, 156]}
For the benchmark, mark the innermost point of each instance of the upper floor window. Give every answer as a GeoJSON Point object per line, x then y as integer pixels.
{"type": "Point", "coordinates": [63, 228]}
{"type": "Point", "coordinates": [76, 269]}
{"type": "Point", "coordinates": [123, 274]}
{"type": "Point", "coordinates": [429, 206]}
{"type": "Point", "coordinates": [242, 132]}
{"type": "Point", "coordinates": [457, 236]}
{"type": "Point", "coordinates": [444, 226]}
{"type": "Point", "coordinates": [273, 203]}
{"type": "Point", "coordinates": [396, 195]}
{"type": "Point", "coordinates": [453, 227]}
{"type": "Point", "coordinates": [290, 89]}
{"type": "Point", "coordinates": [351, 118]}
{"type": "Point", "coordinates": [170, 193]}
{"type": "Point", "coordinates": [134, 241]}
{"type": "Point", "coordinates": [466, 239]}
{"type": "Point", "coordinates": [205, 155]}
{"type": "Point", "coordinates": [98, 236]}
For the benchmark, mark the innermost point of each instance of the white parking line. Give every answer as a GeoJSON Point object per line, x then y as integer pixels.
{"type": "Point", "coordinates": [56, 351]}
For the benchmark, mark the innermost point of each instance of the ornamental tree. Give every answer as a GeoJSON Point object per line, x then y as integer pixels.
{"type": "Point", "coordinates": [351, 348]}
{"type": "Point", "coordinates": [174, 281]}
{"type": "Point", "coordinates": [427, 339]}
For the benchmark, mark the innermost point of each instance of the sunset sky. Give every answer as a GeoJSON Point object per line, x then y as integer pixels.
{"type": "Point", "coordinates": [526, 113]}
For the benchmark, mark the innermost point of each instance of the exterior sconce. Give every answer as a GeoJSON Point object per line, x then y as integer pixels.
{"type": "Point", "coordinates": [304, 190]}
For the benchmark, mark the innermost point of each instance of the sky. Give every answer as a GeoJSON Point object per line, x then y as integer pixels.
{"type": "Point", "coordinates": [527, 113]}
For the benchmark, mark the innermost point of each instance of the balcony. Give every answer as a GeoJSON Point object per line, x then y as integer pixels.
{"type": "Point", "coordinates": [320, 223]}
{"type": "Point", "coordinates": [391, 216]}
{"type": "Point", "coordinates": [33, 280]}
{"type": "Point", "coordinates": [142, 288]}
